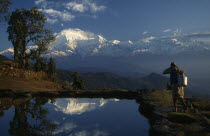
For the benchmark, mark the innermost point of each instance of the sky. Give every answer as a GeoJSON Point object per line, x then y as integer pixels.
{"type": "Point", "coordinates": [120, 19]}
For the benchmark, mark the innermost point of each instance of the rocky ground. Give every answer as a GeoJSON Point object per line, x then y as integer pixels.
{"type": "Point", "coordinates": [157, 106]}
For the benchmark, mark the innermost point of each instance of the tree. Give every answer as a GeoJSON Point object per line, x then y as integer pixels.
{"type": "Point", "coordinates": [28, 26]}
{"type": "Point", "coordinates": [51, 69]}
{"type": "Point", "coordinates": [4, 10]}
{"type": "Point", "coordinates": [30, 119]}
{"type": "Point", "coordinates": [77, 84]}
{"type": "Point", "coordinates": [40, 65]}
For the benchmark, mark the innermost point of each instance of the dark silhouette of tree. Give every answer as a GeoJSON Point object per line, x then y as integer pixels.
{"type": "Point", "coordinates": [28, 26]}
{"type": "Point", "coordinates": [40, 65]}
{"type": "Point", "coordinates": [4, 10]}
{"type": "Point", "coordinates": [30, 119]}
{"type": "Point", "coordinates": [77, 83]}
{"type": "Point", "coordinates": [51, 69]}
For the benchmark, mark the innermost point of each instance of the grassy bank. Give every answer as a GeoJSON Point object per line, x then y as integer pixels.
{"type": "Point", "coordinates": [158, 107]}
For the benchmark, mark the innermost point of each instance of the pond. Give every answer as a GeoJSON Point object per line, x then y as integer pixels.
{"type": "Point", "coordinates": [72, 117]}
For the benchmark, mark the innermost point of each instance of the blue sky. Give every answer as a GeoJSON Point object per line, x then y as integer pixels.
{"type": "Point", "coordinates": [121, 19]}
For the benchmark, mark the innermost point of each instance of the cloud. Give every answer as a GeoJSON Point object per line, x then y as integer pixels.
{"type": "Point", "coordinates": [75, 8]}
{"type": "Point", "coordinates": [37, 2]}
{"type": "Point", "coordinates": [84, 5]}
{"type": "Point", "coordinates": [51, 21]}
{"type": "Point", "coordinates": [148, 39]}
{"type": "Point", "coordinates": [90, 133]}
{"type": "Point", "coordinates": [167, 30]}
{"type": "Point", "coordinates": [43, 3]}
{"type": "Point", "coordinates": [55, 14]}
{"type": "Point", "coordinates": [144, 32]}
{"type": "Point", "coordinates": [67, 127]}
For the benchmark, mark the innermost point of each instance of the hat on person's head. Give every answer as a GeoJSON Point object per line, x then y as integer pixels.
{"type": "Point", "coordinates": [181, 71]}
{"type": "Point", "coordinates": [173, 64]}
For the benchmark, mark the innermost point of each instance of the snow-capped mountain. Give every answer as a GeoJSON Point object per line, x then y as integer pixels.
{"type": "Point", "coordinates": [82, 43]}
{"type": "Point", "coordinates": [77, 42]}
{"type": "Point", "coordinates": [8, 52]}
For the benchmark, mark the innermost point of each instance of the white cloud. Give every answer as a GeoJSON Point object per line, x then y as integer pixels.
{"type": "Point", "coordinates": [39, 2]}
{"type": "Point", "coordinates": [76, 6]}
{"type": "Point", "coordinates": [65, 16]}
{"type": "Point", "coordinates": [144, 32]}
{"type": "Point", "coordinates": [90, 133]}
{"type": "Point", "coordinates": [167, 30]}
{"type": "Point", "coordinates": [53, 12]}
{"type": "Point", "coordinates": [148, 39]}
{"type": "Point", "coordinates": [84, 5]}
{"type": "Point", "coordinates": [51, 21]}
{"type": "Point", "coordinates": [43, 3]}
{"type": "Point", "coordinates": [67, 127]}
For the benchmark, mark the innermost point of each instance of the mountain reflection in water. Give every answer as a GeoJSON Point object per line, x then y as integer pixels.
{"type": "Point", "coordinates": [71, 117]}
{"type": "Point", "coordinates": [78, 106]}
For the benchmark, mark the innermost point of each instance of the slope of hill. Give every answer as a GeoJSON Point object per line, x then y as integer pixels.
{"type": "Point", "coordinates": [16, 79]}
{"type": "Point", "coordinates": [3, 58]}
{"type": "Point", "coordinates": [109, 80]}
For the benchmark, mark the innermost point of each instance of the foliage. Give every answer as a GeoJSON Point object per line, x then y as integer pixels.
{"type": "Point", "coordinates": [168, 86]}
{"type": "Point", "coordinates": [4, 10]}
{"type": "Point", "coordinates": [30, 118]}
{"type": "Point", "coordinates": [77, 84]}
{"type": "Point", "coordinates": [67, 85]}
{"type": "Point", "coordinates": [40, 65]}
{"type": "Point", "coordinates": [51, 69]}
{"type": "Point", "coordinates": [28, 26]}
{"type": "Point", "coordinates": [3, 58]}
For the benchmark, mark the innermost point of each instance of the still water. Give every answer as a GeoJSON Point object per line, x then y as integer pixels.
{"type": "Point", "coordinates": [72, 117]}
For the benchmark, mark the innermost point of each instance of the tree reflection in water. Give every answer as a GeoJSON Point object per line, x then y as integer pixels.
{"type": "Point", "coordinates": [30, 119]}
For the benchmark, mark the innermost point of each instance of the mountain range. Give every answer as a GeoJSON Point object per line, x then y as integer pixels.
{"type": "Point", "coordinates": [101, 80]}
{"type": "Point", "coordinates": [85, 51]}
{"type": "Point", "coordinates": [81, 43]}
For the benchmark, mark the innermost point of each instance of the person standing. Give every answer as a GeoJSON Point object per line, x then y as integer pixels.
{"type": "Point", "coordinates": [174, 71]}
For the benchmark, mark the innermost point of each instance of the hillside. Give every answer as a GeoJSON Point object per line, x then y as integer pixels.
{"type": "Point", "coordinates": [3, 58]}
{"type": "Point", "coordinates": [109, 80]}
{"type": "Point", "coordinates": [17, 79]}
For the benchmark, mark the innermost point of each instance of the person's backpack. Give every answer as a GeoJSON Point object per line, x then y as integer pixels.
{"type": "Point", "coordinates": [182, 80]}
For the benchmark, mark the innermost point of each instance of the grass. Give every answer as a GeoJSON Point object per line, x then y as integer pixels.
{"type": "Point", "coordinates": [183, 118]}
{"type": "Point", "coordinates": [206, 113]}
{"type": "Point", "coordinates": [190, 124]}
{"type": "Point", "coordinates": [29, 85]}
{"type": "Point", "coordinates": [193, 130]}
{"type": "Point", "coordinates": [202, 105]}
{"type": "Point", "coordinates": [161, 98]}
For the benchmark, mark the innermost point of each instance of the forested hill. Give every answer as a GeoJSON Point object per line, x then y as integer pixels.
{"type": "Point", "coordinates": [109, 80]}
{"type": "Point", "coordinates": [3, 58]}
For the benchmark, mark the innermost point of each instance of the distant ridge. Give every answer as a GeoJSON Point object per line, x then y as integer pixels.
{"type": "Point", "coordinates": [101, 80]}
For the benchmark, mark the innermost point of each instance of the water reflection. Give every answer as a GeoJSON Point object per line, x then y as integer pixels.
{"type": "Point", "coordinates": [30, 119]}
{"type": "Point", "coordinates": [74, 106]}
{"type": "Point", "coordinates": [74, 117]}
